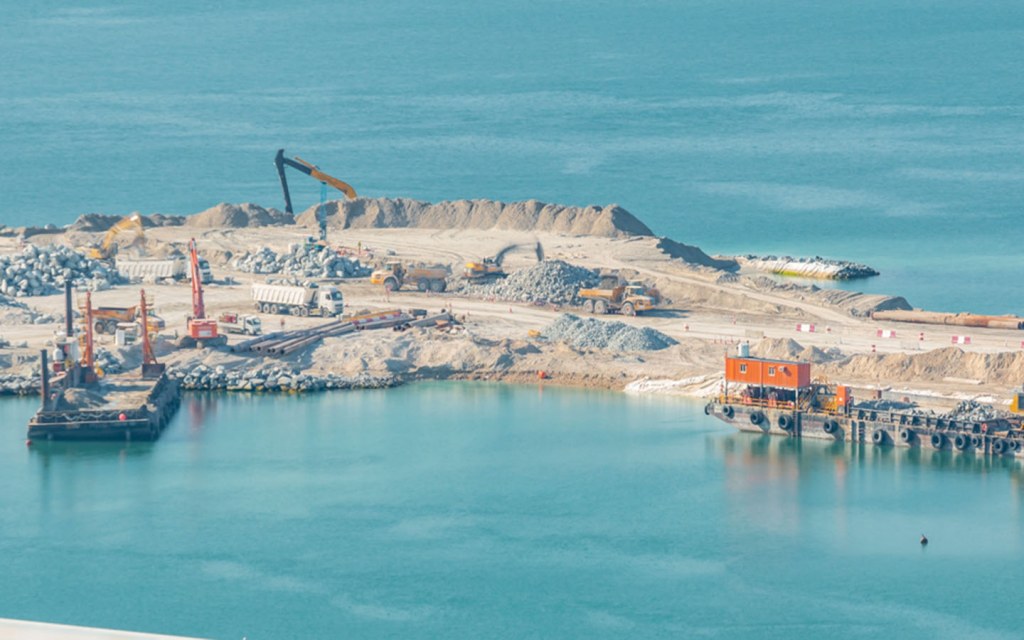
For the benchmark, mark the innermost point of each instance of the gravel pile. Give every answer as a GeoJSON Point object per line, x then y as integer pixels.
{"type": "Point", "coordinates": [307, 261]}
{"type": "Point", "coordinates": [974, 411]}
{"type": "Point", "coordinates": [549, 281]}
{"type": "Point", "coordinates": [272, 379]}
{"type": "Point", "coordinates": [41, 271]}
{"type": "Point", "coordinates": [584, 333]}
{"type": "Point", "coordinates": [16, 312]}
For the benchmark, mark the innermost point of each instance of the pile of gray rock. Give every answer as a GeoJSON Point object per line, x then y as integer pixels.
{"type": "Point", "coordinates": [591, 333]}
{"type": "Point", "coordinates": [41, 271]}
{"type": "Point", "coordinates": [307, 261]}
{"type": "Point", "coordinates": [273, 379]}
{"type": "Point", "coordinates": [553, 281]}
{"type": "Point", "coordinates": [974, 411]}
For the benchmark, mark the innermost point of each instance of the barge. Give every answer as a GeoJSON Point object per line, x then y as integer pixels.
{"type": "Point", "coordinates": [778, 397]}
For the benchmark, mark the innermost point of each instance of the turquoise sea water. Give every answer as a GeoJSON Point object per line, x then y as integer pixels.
{"type": "Point", "coordinates": [468, 510]}
{"type": "Point", "coordinates": [884, 131]}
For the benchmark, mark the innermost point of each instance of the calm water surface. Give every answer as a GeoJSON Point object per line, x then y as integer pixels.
{"type": "Point", "coordinates": [884, 131]}
{"type": "Point", "coordinates": [441, 510]}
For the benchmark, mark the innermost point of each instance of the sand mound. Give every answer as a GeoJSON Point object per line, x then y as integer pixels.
{"type": "Point", "coordinates": [694, 255]}
{"type": "Point", "coordinates": [611, 221]}
{"type": "Point", "coordinates": [238, 216]}
{"type": "Point", "coordinates": [933, 366]}
{"type": "Point", "coordinates": [101, 222]}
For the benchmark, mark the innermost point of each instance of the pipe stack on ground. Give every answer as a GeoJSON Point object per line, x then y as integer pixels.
{"type": "Point", "coordinates": [950, 319]}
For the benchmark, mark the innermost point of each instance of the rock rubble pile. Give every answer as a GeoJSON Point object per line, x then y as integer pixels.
{"type": "Point", "coordinates": [272, 379]}
{"type": "Point", "coordinates": [974, 411]}
{"type": "Point", "coordinates": [552, 281]}
{"type": "Point", "coordinates": [15, 385]}
{"type": "Point", "coordinates": [41, 271]}
{"type": "Point", "coordinates": [307, 261]}
{"type": "Point", "coordinates": [591, 333]}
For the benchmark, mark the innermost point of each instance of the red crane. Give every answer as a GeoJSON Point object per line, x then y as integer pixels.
{"type": "Point", "coordinates": [199, 326]}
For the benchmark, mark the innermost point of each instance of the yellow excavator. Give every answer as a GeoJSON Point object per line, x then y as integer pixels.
{"type": "Point", "coordinates": [487, 269]}
{"type": "Point", "coordinates": [107, 248]}
{"type": "Point", "coordinates": [313, 171]}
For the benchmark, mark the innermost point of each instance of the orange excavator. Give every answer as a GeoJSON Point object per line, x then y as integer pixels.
{"type": "Point", "coordinates": [201, 330]}
{"type": "Point", "coordinates": [310, 169]}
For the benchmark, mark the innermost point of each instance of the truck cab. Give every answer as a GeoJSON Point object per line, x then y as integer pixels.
{"type": "Point", "coordinates": [329, 301]}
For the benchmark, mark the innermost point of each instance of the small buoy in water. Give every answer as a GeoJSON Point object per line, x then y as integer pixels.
{"type": "Point", "coordinates": [924, 539]}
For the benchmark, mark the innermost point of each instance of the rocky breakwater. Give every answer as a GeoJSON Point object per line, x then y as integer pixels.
{"type": "Point", "coordinates": [306, 261]}
{"type": "Point", "coordinates": [42, 271]}
{"type": "Point", "coordinates": [273, 379]}
{"type": "Point", "coordinates": [816, 267]}
{"type": "Point", "coordinates": [19, 385]}
{"type": "Point", "coordinates": [551, 281]}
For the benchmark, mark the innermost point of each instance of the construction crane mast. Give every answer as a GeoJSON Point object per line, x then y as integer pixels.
{"type": "Point", "coordinates": [308, 168]}
{"type": "Point", "coordinates": [199, 326]}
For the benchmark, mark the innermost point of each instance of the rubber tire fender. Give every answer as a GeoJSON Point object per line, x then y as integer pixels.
{"type": "Point", "coordinates": [707, 409]}
{"type": "Point", "coordinates": [938, 440]}
{"type": "Point", "coordinates": [785, 422]}
{"type": "Point", "coordinates": [961, 441]}
{"type": "Point", "coordinates": [879, 436]}
{"type": "Point", "coordinates": [728, 411]}
{"type": "Point", "coordinates": [1000, 446]}
{"type": "Point", "coordinates": [756, 418]}
{"type": "Point", "coordinates": [830, 426]}
{"type": "Point", "coordinates": [907, 435]}
{"type": "Point", "coordinates": [977, 442]}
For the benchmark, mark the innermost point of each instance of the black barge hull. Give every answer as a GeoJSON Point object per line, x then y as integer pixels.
{"type": "Point", "coordinates": [882, 428]}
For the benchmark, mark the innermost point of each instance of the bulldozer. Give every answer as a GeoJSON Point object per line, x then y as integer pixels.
{"type": "Point", "coordinates": [614, 296]}
{"type": "Point", "coordinates": [394, 275]}
{"type": "Point", "coordinates": [107, 248]}
{"type": "Point", "coordinates": [490, 268]}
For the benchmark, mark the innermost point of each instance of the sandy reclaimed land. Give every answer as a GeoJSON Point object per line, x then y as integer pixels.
{"type": "Point", "coordinates": [709, 312]}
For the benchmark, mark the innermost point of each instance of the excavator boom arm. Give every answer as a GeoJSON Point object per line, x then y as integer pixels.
{"type": "Point", "coordinates": [280, 161]}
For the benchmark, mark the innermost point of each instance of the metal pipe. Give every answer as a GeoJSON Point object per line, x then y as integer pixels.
{"type": "Point", "coordinates": [44, 385]}
{"type": "Point", "coordinates": [69, 317]}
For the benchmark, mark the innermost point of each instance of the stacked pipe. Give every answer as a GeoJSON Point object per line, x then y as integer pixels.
{"type": "Point", "coordinates": [950, 319]}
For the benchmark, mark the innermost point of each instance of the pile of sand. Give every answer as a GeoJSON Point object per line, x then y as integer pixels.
{"type": "Point", "coordinates": [694, 255]}
{"type": "Point", "coordinates": [610, 221]}
{"type": "Point", "coordinates": [789, 349]}
{"type": "Point", "coordinates": [239, 216]}
{"type": "Point", "coordinates": [934, 366]}
{"type": "Point", "coordinates": [101, 222]}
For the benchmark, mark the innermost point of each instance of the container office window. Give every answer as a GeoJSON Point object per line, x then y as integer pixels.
{"type": "Point", "coordinates": [743, 368]}
{"type": "Point", "coordinates": [771, 371]}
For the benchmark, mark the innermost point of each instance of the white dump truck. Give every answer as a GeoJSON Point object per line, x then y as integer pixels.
{"type": "Point", "coordinates": [232, 322]}
{"type": "Point", "coordinates": [152, 270]}
{"type": "Point", "coordinates": [298, 300]}
{"type": "Point", "coordinates": [157, 269]}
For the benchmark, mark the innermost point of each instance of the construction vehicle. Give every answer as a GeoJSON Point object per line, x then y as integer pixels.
{"type": "Point", "coordinates": [201, 330]}
{"type": "Point", "coordinates": [152, 270]}
{"type": "Point", "coordinates": [105, 320]}
{"type": "Point", "coordinates": [151, 369]}
{"type": "Point", "coordinates": [298, 300]}
{"type": "Point", "coordinates": [612, 296]}
{"type": "Point", "coordinates": [394, 275]}
{"type": "Point", "coordinates": [490, 268]}
{"type": "Point", "coordinates": [107, 248]}
{"type": "Point", "coordinates": [280, 161]}
{"type": "Point", "coordinates": [1017, 404]}
{"type": "Point", "coordinates": [234, 322]}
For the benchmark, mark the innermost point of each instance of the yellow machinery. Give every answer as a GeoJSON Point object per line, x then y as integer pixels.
{"type": "Point", "coordinates": [394, 275]}
{"type": "Point", "coordinates": [613, 297]}
{"type": "Point", "coordinates": [108, 247]}
{"type": "Point", "coordinates": [310, 169]}
{"type": "Point", "coordinates": [490, 268]}
{"type": "Point", "coordinates": [1017, 404]}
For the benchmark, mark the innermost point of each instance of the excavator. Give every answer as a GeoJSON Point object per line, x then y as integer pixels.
{"type": "Point", "coordinates": [310, 169]}
{"type": "Point", "coordinates": [201, 330]}
{"type": "Point", "coordinates": [490, 268]}
{"type": "Point", "coordinates": [107, 249]}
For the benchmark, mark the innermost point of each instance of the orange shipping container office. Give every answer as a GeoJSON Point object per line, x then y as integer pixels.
{"type": "Point", "coordinates": [768, 373]}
